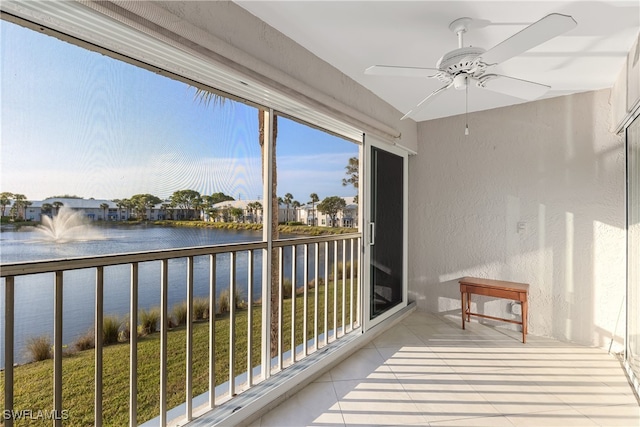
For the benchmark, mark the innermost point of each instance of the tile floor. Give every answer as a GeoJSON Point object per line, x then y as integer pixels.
{"type": "Point", "coordinates": [427, 371]}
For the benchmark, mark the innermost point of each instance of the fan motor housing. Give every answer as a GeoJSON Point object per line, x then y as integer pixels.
{"type": "Point", "coordinates": [459, 60]}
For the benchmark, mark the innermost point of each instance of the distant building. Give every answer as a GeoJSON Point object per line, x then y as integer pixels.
{"type": "Point", "coordinates": [348, 217]}
{"type": "Point", "coordinates": [92, 208]}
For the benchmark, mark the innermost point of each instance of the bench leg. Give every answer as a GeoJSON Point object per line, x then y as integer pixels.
{"type": "Point", "coordinates": [464, 311]}
{"type": "Point", "coordinates": [525, 317]}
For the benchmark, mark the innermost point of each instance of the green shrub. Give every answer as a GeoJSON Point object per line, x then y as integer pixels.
{"type": "Point", "coordinates": [179, 313]}
{"type": "Point", "coordinates": [286, 289]}
{"type": "Point", "coordinates": [201, 308]}
{"type": "Point", "coordinates": [224, 304]}
{"type": "Point", "coordinates": [110, 329]}
{"type": "Point", "coordinates": [125, 331]}
{"type": "Point", "coordinates": [346, 270]}
{"type": "Point", "coordinates": [312, 283]}
{"type": "Point", "coordinates": [85, 342]}
{"type": "Point", "coordinates": [149, 320]}
{"type": "Point", "coordinates": [39, 348]}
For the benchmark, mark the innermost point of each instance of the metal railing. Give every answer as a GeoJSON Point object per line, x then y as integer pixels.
{"type": "Point", "coordinates": [323, 308]}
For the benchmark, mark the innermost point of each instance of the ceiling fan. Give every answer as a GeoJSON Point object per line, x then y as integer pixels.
{"type": "Point", "coordinates": [466, 65]}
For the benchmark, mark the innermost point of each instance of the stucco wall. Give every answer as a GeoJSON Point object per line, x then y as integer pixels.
{"type": "Point", "coordinates": [554, 167]}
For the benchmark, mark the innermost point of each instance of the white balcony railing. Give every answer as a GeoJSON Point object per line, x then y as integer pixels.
{"type": "Point", "coordinates": [319, 315]}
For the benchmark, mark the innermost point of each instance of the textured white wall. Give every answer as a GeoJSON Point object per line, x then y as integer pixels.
{"type": "Point", "coordinates": [552, 165]}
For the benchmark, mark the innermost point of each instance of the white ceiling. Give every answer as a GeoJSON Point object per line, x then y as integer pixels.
{"type": "Point", "coordinates": [352, 35]}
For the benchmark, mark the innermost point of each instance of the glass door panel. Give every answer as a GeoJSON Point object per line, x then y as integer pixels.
{"type": "Point", "coordinates": [386, 225]}
{"type": "Point", "coordinates": [386, 231]}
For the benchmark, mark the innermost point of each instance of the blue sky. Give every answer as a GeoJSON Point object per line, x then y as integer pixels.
{"type": "Point", "coordinates": [78, 122]}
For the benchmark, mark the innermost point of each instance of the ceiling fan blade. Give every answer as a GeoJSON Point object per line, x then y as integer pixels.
{"type": "Point", "coordinates": [391, 70]}
{"type": "Point", "coordinates": [535, 34]}
{"type": "Point", "coordinates": [426, 101]}
{"type": "Point", "coordinates": [515, 87]}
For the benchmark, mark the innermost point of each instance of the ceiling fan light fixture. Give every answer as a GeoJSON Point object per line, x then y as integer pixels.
{"type": "Point", "coordinates": [460, 81]}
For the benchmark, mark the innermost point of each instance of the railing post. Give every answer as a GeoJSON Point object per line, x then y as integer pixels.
{"type": "Point", "coordinates": [133, 347]}
{"type": "Point", "coordinates": [57, 348]}
{"type": "Point", "coordinates": [351, 270]}
{"type": "Point", "coordinates": [293, 304]}
{"type": "Point", "coordinates": [280, 306]}
{"type": "Point", "coordinates": [164, 282]}
{"type": "Point", "coordinates": [359, 283]}
{"type": "Point", "coordinates": [189, 343]}
{"type": "Point", "coordinates": [344, 286]}
{"type": "Point", "coordinates": [326, 293]}
{"type": "Point", "coordinates": [316, 291]}
{"type": "Point", "coordinates": [212, 331]}
{"type": "Point", "coordinates": [249, 317]}
{"type": "Point", "coordinates": [335, 290]}
{"type": "Point", "coordinates": [305, 306]}
{"type": "Point", "coordinates": [9, 302]}
{"type": "Point", "coordinates": [232, 324]}
{"type": "Point", "coordinates": [98, 338]}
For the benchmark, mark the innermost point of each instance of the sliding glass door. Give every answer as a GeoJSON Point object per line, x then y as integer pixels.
{"type": "Point", "coordinates": [386, 232]}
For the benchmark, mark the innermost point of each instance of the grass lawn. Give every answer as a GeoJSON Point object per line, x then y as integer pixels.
{"type": "Point", "coordinates": [34, 381]}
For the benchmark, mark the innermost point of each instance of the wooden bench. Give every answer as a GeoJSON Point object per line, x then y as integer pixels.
{"type": "Point", "coordinates": [498, 289]}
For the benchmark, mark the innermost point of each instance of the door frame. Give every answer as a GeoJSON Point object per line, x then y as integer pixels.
{"type": "Point", "coordinates": [366, 187]}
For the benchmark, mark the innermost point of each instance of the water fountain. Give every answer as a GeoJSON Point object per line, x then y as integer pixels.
{"type": "Point", "coordinates": [68, 225]}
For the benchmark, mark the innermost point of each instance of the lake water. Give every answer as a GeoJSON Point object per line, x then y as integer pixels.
{"type": "Point", "coordinates": [34, 293]}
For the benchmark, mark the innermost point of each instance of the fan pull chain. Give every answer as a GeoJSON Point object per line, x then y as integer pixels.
{"type": "Point", "coordinates": [466, 108]}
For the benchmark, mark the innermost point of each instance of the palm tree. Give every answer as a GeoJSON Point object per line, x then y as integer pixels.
{"type": "Point", "coordinates": [314, 199]}
{"type": "Point", "coordinates": [46, 209]}
{"type": "Point", "coordinates": [18, 204]}
{"type": "Point", "coordinates": [296, 205]}
{"type": "Point", "coordinates": [104, 207]}
{"type": "Point", "coordinates": [206, 98]}
{"type": "Point", "coordinates": [288, 198]}
{"type": "Point", "coordinates": [5, 200]}
{"type": "Point", "coordinates": [25, 205]}
{"type": "Point", "coordinates": [57, 205]}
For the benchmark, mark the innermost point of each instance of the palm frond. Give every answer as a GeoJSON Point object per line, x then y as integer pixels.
{"type": "Point", "coordinates": [207, 98]}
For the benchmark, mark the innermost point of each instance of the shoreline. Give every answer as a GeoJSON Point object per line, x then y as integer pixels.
{"type": "Point", "coordinates": [305, 230]}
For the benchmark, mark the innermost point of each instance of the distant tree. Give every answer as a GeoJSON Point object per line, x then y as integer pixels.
{"type": "Point", "coordinates": [46, 208]}
{"type": "Point", "coordinates": [352, 173]}
{"type": "Point", "coordinates": [141, 202]}
{"type": "Point", "coordinates": [331, 206]}
{"type": "Point", "coordinates": [57, 205]}
{"type": "Point", "coordinates": [165, 209]}
{"type": "Point", "coordinates": [65, 196]}
{"type": "Point", "coordinates": [104, 207]}
{"type": "Point", "coordinates": [17, 209]}
{"type": "Point", "coordinates": [25, 205]}
{"type": "Point", "coordinates": [288, 198]}
{"type": "Point", "coordinates": [185, 200]}
{"type": "Point", "coordinates": [253, 209]}
{"type": "Point", "coordinates": [296, 205]}
{"type": "Point", "coordinates": [5, 200]}
{"type": "Point", "coordinates": [314, 199]}
{"type": "Point", "coordinates": [236, 213]}
{"type": "Point", "coordinates": [219, 197]}
{"type": "Point", "coordinates": [213, 213]}
{"type": "Point", "coordinates": [127, 205]}
{"type": "Point", "coordinates": [120, 203]}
